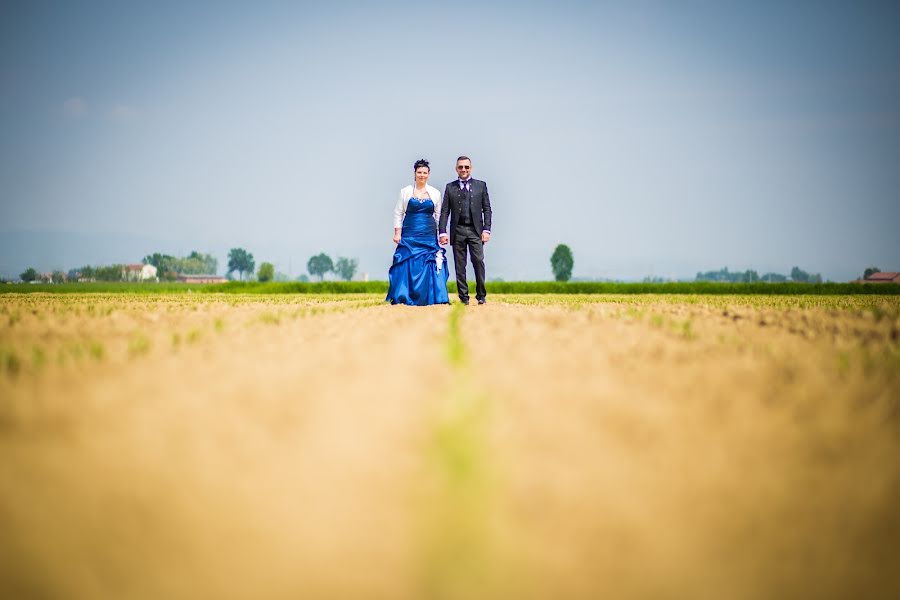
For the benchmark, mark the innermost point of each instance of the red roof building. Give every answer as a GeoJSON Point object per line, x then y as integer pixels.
{"type": "Point", "coordinates": [201, 279]}
{"type": "Point", "coordinates": [882, 277]}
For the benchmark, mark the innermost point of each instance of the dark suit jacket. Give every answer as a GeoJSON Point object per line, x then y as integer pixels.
{"type": "Point", "coordinates": [451, 206]}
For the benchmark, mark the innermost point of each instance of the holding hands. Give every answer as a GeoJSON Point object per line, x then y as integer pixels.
{"type": "Point", "coordinates": [444, 239]}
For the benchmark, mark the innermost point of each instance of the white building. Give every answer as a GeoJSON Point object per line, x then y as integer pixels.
{"type": "Point", "coordinates": [140, 272]}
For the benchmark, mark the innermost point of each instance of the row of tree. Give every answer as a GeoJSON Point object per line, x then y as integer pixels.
{"type": "Point", "coordinates": [751, 276]}
{"type": "Point", "coordinates": [100, 273]}
{"type": "Point", "coordinates": [345, 268]}
{"type": "Point", "coordinates": [169, 267]}
{"type": "Point", "coordinates": [31, 274]}
{"type": "Point", "coordinates": [242, 262]}
{"type": "Point", "coordinates": [562, 261]}
{"type": "Point", "coordinates": [86, 273]}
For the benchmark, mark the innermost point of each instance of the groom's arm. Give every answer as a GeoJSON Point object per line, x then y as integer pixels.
{"type": "Point", "coordinates": [445, 212]}
{"type": "Point", "coordinates": [486, 211]}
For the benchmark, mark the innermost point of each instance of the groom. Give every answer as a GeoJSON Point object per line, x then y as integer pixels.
{"type": "Point", "coordinates": [468, 205]}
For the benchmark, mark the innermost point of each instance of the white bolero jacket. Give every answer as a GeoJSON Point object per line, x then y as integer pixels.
{"type": "Point", "coordinates": [405, 194]}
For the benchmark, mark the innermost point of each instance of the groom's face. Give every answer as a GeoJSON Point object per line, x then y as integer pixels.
{"type": "Point", "coordinates": [464, 168]}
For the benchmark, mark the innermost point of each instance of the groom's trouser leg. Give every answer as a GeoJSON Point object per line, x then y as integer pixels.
{"type": "Point", "coordinates": [476, 249]}
{"type": "Point", "coordinates": [460, 244]}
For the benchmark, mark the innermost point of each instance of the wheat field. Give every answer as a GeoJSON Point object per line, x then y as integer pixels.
{"type": "Point", "coordinates": [596, 446]}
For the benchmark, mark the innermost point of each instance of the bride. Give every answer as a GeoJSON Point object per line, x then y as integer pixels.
{"type": "Point", "coordinates": [418, 275]}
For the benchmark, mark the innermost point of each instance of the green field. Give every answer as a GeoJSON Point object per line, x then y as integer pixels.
{"type": "Point", "coordinates": [496, 287]}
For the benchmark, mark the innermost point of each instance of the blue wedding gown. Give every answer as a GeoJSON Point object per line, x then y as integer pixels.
{"type": "Point", "coordinates": [415, 277]}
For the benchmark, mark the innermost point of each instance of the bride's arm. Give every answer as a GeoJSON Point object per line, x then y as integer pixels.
{"type": "Point", "coordinates": [399, 213]}
{"type": "Point", "coordinates": [437, 206]}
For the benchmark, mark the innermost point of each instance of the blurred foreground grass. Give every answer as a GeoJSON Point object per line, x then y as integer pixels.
{"type": "Point", "coordinates": [330, 446]}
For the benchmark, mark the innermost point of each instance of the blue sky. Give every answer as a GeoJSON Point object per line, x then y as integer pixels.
{"type": "Point", "coordinates": [655, 138]}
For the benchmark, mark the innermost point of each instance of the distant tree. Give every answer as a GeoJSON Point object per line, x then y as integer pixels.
{"type": "Point", "coordinates": [798, 274]}
{"type": "Point", "coordinates": [266, 272]}
{"type": "Point", "coordinates": [774, 278]}
{"type": "Point", "coordinates": [58, 277]}
{"type": "Point", "coordinates": [701, 276]}
{"type": "Point", "coordinates": [750, 276]}
{"type": "Point", "coordinates": [187, 266]}
{"type": "Point", "coordinates": [303, 278]}
{"type": "Point", "coordinates": [319, 265]}
{"type": "Point", "coordinates": [279, 276]}
{"type": "Point", "coordinates": [562, 262]}
{"type": "Point", "coordinates": [241, 261]}
{"type": "Point", "coordinates": [196, 263]}
{"type": "Point", "coordinates": [110, 273]}
{"type": "Point", "coordinates": [870, 271]}
{"type": "Point", "coordinates": [346, 268]}
{"type": "Point", "coordinates": [722, 274]}
{"type": "Point", "coordinates": [207, 263]}
{"type": "Point", "coordinates": [166, 268]}
{"type": "Point", "coordinates": [161, 261]}
{"type": "Point", "coordinates": [29, 275]}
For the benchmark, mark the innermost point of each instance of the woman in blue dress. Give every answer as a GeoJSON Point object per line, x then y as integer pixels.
{"type": "Point", "coordinates": [419, 273]}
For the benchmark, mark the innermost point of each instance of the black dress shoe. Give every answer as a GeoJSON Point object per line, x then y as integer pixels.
{"type": "Point", "coordinates": [481, 301]}
{"type": "Point", "coordinates": [466, 302]}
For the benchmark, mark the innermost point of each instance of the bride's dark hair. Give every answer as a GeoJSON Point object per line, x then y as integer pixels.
{"type": "Point", "coordinates": [421, 163]}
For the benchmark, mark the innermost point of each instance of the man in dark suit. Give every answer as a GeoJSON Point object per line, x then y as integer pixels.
{"type": "Point", "coordinates": [468, 206]}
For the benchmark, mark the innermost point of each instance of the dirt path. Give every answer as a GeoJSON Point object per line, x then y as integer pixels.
{"type": "Point", "coordinates": [530, 448]}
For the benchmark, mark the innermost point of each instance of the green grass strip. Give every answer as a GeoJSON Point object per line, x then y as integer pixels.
{"type": "Point", "coordinates": [455, 350]}
{"type": "Point", "coordinates": [456, 553]}
{"type": "Point", "coordinates": [496, 287]}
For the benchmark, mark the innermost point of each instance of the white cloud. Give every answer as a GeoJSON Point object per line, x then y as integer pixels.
{"type": "Point", "coordinates": [75, 107]}
{"type": "Point", "coordinates": [122, 113]}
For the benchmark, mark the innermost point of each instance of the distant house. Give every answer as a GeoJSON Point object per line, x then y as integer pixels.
{"type": "Point", "coordinates": [140, 272]}
{"type": "Point", "coordinates": [201, 279]}
{"type": "Point", "coordinates": [881, 277]}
